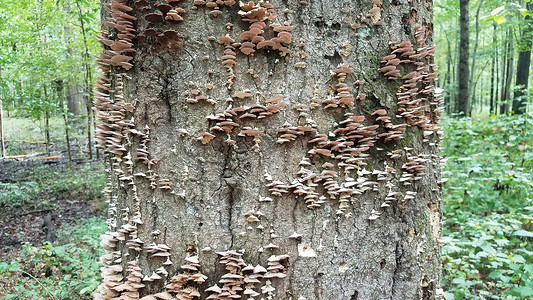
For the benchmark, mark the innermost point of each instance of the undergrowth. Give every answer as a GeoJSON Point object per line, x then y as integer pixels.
{"type": "Point", "coordinates": [40, 187]}
{"type": "Point", "coordinates": [488, 208]}
{"type": "Point", "coordinates": [66, 270]}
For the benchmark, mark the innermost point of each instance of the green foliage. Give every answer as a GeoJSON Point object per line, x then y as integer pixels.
{"type": "Point", "coordinates": [68, 270]}
{"type": "Point", "coordinates": [44, 184]}
{"type": "Point", "coordinates": [487, 206]}
{"type": "Point", "coordinates": [489, 163]}
{"type": "Point", "coordinates": [499, 23]}
{"type": "Point", "coordinates": [17, 194]}
{"type": "Point", "coordinates": [87, 179]}
{"type": "Point", "coordinates": [43, 47]}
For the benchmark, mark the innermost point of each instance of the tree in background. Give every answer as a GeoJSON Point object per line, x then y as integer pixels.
{"type": "Point", "coordinates": [497, 29]}
{"type": "Point", "coordinates": [42, 44]}
{"type": "Point", "coordinates": [462, 104]}
{"type": "Point", "coordinates": [270, 150]}
{"type": "Point", "coordinates": [524, 63]}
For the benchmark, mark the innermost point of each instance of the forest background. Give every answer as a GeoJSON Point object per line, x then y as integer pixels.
{"type": "Point", "coordinates": [51, 212]}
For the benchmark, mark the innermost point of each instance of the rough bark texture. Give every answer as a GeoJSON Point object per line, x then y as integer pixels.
{"type": "Point", "coordinates": [198, 199]}
{"type": "Point", "coordinates": [463, 88]}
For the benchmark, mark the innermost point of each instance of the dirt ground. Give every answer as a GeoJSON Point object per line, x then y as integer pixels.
{"type": "Point", "coordinates": [27, 225]}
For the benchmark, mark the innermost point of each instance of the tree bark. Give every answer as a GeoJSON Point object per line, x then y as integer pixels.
{"type": "Point", "coordinates": [447, 78]}
{"type": "Point", "coordinates": [463, 86]}
{"type": "Point", "coordinates": [320, 165]}
{"type": "Point", "coordinates": [75, 101]}
{"type": "Point", "coordinates": [2, 143]}
{"type": "Point", "coordinates": [523, 64]}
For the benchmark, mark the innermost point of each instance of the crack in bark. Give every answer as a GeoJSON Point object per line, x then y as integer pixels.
{"type": "Point", "coordinates": [397, 267]}
{"type": "Point", "coordinates": [231, 201]}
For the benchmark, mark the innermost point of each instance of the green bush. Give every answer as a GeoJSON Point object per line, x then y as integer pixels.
{"type": "Point", "coordinates": [43, 184]}
{"type": "Point", "coordinates": [66, 270]}
{"type": "Point", "coordinates": [488, 208]}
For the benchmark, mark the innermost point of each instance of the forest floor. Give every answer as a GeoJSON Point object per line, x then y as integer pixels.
{"type": "Point", "coordinates": [51, 216]}
{"type": "Point", "coordinates": [34, 205]}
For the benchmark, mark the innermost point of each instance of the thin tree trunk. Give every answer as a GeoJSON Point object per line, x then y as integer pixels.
{"type": "Point", "coordinates": [493, 69]}
{"type": "Point", "coordinates": [47, 123]}
{"type": "Point", "coordinates": [474, 56]}
{"type": "Point", "coordinates": [523, 64]}
{"type": "Point", "coordinates": [506, 89]}
{"type": "Point", "coordinates": [2, 144]}
{"type": "Point", "coordinates": [88, 89]}
{"type": "Point", "coordinates": [504, 72]}
{"type": "Point", "coordinates": [463, 90]}
{"type": "Point", "coordinates": [62, 94]}
{"type": "Point", "coordinates": [447, 79]}
{"type": "Point", "coordinates": [295, 198]}
{"type": "Point", "coordinates": [496, 84]}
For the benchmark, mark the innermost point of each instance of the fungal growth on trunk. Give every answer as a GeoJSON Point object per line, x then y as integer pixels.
{"type": "Point", "coordinates": [269, 150]}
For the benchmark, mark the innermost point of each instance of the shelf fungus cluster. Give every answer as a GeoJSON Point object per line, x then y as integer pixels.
{"type": "Point", "coordinates": [231, 119]}
{"type": "Point", "coordinates": [184, 285]}
{"type": "Point", "coordinates": [335, 167]}
{"type": "Point", "coordinates": [157, 14]}
{"type": "Point", "coordinates": [214, 5]}
{"type": "Point", "coordinates": [416, 101]}
{"type": "Point", "coordinates": [253, 39]}
{"type": "Point", "coordinates": [374, 14]}
{"type": "Point", "coordinates": [245, 281]}
{"type": "Point", "coordinates": [342, 154]}
{"type": "Point", "coordinates": [195, 96]}
{"type": "Point", "coordinates": [342, 95]}
{"type": "Point", "coordinates": [117, 44]}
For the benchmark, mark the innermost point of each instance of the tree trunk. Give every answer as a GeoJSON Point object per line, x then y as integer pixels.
{"type": "Point", "coordinates": [47, 122]}
{"type": "Point", "coordinates": [463, 87]}
{"type": "Point", "coordinates": [75, 101]}
{"type": "Point", "coordinates": [471, 86]}
{"type": "Point", "coordinates": [312, 164]}
{"type": "Point", "coordinates": [87, 81]}
{"type": "Point", "coordinates": [493, 72]}
{"type": "Point", "coordinates": [61, 94]}
{"type": "Point", "coordinates": [522, 69]}
{"type": "Point", "coordinates": [508, 76]}
{"type": "Point", "coordinates": [2, 144]}
{"type": "Point", "coordinates": [447, 79]}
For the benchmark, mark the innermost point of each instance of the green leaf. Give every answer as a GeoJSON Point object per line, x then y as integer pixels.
{"type": "Point", "coordinates": [497, 10]}
{"type": "Point", "coordinates": [523, 233]}
{"type": "Point", "coordinates": [521, 291]}
{"type": "Point", "coordinates": [499, 19]}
